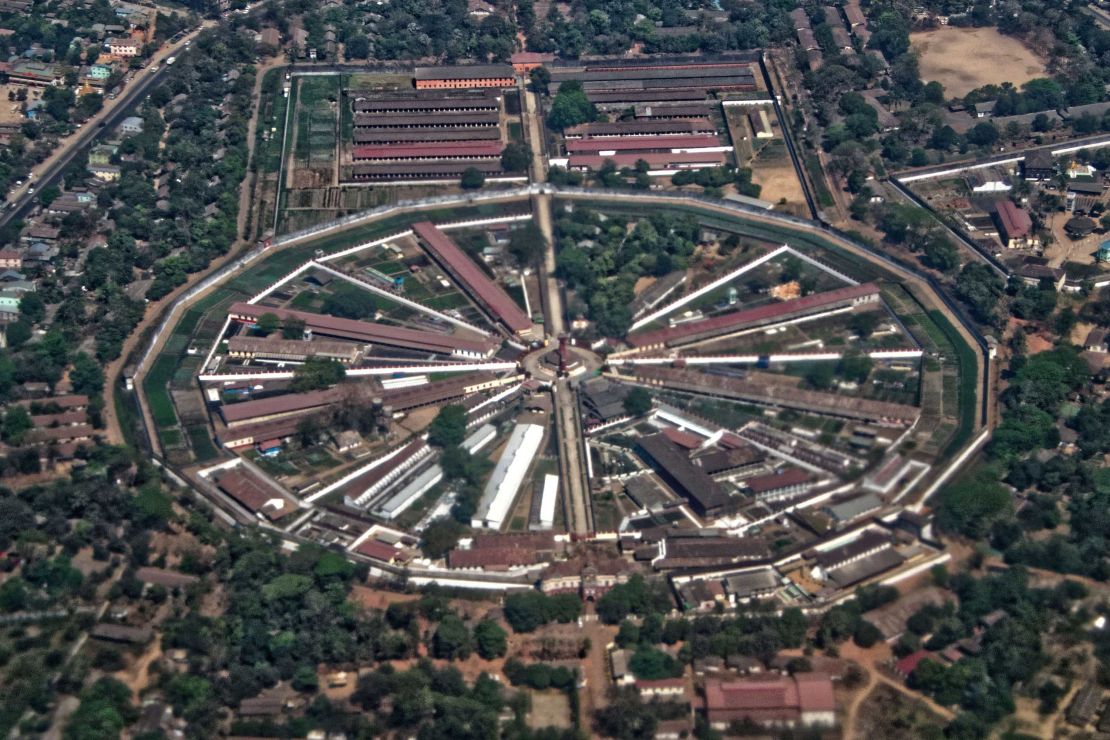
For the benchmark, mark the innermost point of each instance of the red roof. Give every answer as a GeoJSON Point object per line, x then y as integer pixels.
{"type": "Point", "coordinates": [769, 698]}
{"type": "Point", "coordinates": [365, 331]}
{"type": "Point", "coordinates": [815, 692]}
{"type": "Point", "coordinates": [378, 550]}
{"type": "Point", "coordinates": [736, 319]}
{"type": "Point", "coordinates": [907, 665]}
{"type": "Point", "coordinates": [474, 279]}
{"type": "Point", "coordinates": [1013, 220]}
{"type": "Point", "coordinates": [655, 160]}
{"type": "Point", "coordinates": [284, 404]}
{"type": "Point", "coordinates": [641, 143]}
{"type": "Point", "coordinates": [431, 150]}
{"type": "Point", "coordinates": [490, 557]}
{"type": "Point", "coordinates": [255, 494]}
{"type": "Point", "coordinates": [775, 481]}
{"type": "Point", "coordinates": [530, 57]}
{"type": "Point", "coordinates": [683, 439]}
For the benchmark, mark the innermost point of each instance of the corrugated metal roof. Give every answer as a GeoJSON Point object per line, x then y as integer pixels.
{"type": "Point", "coordinates": [694, 330]}
{"type": "Point", "coordinates": [430, 150]}
{"type": "Point", "coordinates": [644, 143]}
{"type": "Point", "coordinates": [473, 277]}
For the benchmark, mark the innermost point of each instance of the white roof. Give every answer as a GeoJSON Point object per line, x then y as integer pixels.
{"type": "Point", "coordinates": [508, 475]}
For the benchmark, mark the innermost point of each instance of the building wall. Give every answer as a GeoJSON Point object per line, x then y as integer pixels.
{"type": "Point", "coordinates": [464, 84]}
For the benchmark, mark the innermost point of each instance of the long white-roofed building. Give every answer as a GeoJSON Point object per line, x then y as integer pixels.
{"type": "Point", "coordinates": [508, 476]}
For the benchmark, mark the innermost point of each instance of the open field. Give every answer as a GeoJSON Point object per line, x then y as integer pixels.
{"type": "Point", "coordinates": [963, 59]}
{"type": "Point", "coordinates": [549, 709]}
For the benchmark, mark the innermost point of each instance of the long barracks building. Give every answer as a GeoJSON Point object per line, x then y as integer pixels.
{"type": "Point", "coordinates": [475, 281]}
{"type": "Point", "coordinates": [371, 333]}
{"type": "Point", "coordinates": [753, 318]}
{"type": "Point", "coordinates": [464, 77]}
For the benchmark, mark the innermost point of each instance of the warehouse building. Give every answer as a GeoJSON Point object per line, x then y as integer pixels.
{"type": "Point", "coordinates": [752, 318]}
{"type": "Point", "coordinates": [371, 333]}
{"type": "Point", "coordinates": [705, 495]}
{"type": "Point", "coordinates": [472, 278]}
{"type": "Point", "coordinates": [508, 475]}
{"type": "Point", "coordinates": [255, 494]}
{"type": "Point", "coordinates": [673, 144]}
{"type": "Point", "coordinates": [277, 407]}
{"type": "Point", "coordinates": [464, 77]}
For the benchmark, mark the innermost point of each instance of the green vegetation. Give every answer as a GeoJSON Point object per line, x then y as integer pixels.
{"type": "Point", "coordinates": [448, 429]}
{"type": "Point", "coordinates": [317, 373]}
{"type": "Point", "coordinates": [531, 609]}
{"type": "Point", "coordinates": [570, 107]}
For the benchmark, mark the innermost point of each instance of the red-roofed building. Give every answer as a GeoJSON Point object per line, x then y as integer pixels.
{"type": "Point", "coordinates": [675, 144]}
{"type": "Point", "coordinates": [430, 150]}
{"type": "Point", "coordinates": [751, 318]}
{"type": "Point", "coordinates": [372, 333]}
{"type": "Point", "coordinates": [525, 61]}
{"type": "Point", "coordinates": [490, 558]}
{"type": "Point", "coordinates": [907, 665]}
{"type": "Point", "coordinates": [780, 484]}
{"type": "Point", "coordinates": [686, 440]}
{"type": "Point", "coordinates": [473, 279]}
{"type": "Point", "coordinates": [656, 161]}
{"type": "Point", "coordinates": [378, 551]}
{"type": "Point", "coordinates": [802, 699]}
{"type": "Point", "coordinates": [1015, 226]}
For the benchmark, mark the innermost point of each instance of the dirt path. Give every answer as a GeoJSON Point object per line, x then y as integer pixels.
{"type": "Point", "coordinates": [247, 194]}
{"type": "Point", "coordinates": [852, 711]}
{"type": "Point", "coordinates": [155, 311]}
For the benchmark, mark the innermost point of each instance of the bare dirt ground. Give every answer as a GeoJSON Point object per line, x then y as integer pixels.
{"type": "Point", "coordinates": [778, 181]}
{"type": "Point", "coordinates": [963, 59]}
{"type": "Point", "coordinates": [9, 109]}
{"type": "Point", "coordinates": [549, 709]}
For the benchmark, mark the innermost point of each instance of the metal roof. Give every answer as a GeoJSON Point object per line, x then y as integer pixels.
{"type": "Point", "coordinates": [473, 277]}
{"type": "Point", "coordinates": [465, 72]}
{"type": "Point", "coordinates": [642, 143]}
{"type": "Point", "coordinates": [694, 330]}
{"type": "Point", "coordinates": [431, 150]}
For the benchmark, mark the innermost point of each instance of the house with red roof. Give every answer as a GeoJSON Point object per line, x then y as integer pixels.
{"type": "Point", "coordinates": [907, 665]}
{"type": "Point", "coordinates": [801, 700]}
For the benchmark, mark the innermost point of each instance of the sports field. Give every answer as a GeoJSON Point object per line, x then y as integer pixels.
{"type": "Point", "coordinates": [963, 59]}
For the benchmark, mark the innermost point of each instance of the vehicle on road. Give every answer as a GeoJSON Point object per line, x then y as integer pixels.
{"type": "Point", "coordinates": [170, 61]}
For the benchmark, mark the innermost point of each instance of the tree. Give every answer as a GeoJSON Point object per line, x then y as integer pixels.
{"type": "Point", "coordinates": [866, 634]}
{"type": "Point", "coordinates": [490, 639]}
{"type": "Point", "coordinates": [17, 333]}
{"type": "Point", "coordinates": [451, 639]}
{"type": "Point", "coordinates": [526, 611]}
{"type": "Point", "coordinates": [440, 537]}
{"type": "Point", "coordinates": [638, 402]}
{"type": "Point", "coordinates": [571, 107]}
{"type": "Point", "coordinates": [863, 323]}
{"type": "Point", "coordinates": [17, 422]}
{"type": "Point", "coordinates": [650, 664]}
{"type": "Point", "coordinates": [540, 78]}
{"type": "Point", "coordinates": [472, 179]}
{"type": "Point", "coordinates": [515, 157]}
{"type": "Point", "coordinates": [855, 367]}
{"type": "Point", "coordinates": [32, 307]}
{"type": "Point", "coordinates": [268, 323]}
{"type": "Point", "coordinates": [48, 195]}
{"type": "Point", "coordinates": [357, 47]}
{"type": "Point", "coordinates": [983, 134]}
{"type": "Point", "coordinates": [317, 373]}
{"type": "Point", "coordinates": [527, 244]}
{"type": "Point", "coordinates": [448, 429]}
{"type": "Point", "coordinates": [292, 328]}
{"type": "Point", "coordinates": [350, 302]}
{"type": "Point", "coordinates": [86, 376]}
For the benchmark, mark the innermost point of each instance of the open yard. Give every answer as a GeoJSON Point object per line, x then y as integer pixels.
{"type": "Point", "coordinates": [963, 59]}
{"type": "Point", "coordinates": [549, 709]}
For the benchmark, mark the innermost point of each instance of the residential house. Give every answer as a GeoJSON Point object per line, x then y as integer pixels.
{"type": "Point", "coordinates": [131, 125]}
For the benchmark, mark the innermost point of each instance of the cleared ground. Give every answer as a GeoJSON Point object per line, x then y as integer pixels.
{"type": "Point", "coordinates": [963, 59]}
{"type": "Point", "coordinates": [549, 709]}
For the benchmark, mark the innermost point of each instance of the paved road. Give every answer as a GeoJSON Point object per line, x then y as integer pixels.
{"type": "Point", "coordinates": [568, 426]}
